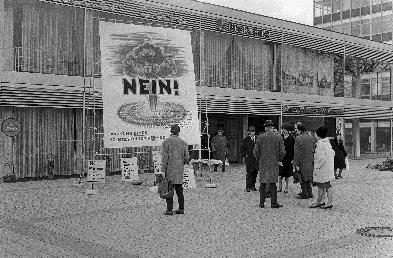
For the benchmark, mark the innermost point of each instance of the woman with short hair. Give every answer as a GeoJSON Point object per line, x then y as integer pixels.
{"type": "Point", "coordinates": [323, 169]}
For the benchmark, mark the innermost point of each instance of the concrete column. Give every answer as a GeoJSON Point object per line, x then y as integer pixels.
{"type": "Point", "coordinates": [342, 129]}
{"type": "Point", "coordinates": [2, 34]}
{"type": "Point", "coordinates": [373, 138]}
{"type": "Point", "coordinates": [245, 125]}
{"type": "Point", "coordinates": [356, 137]}
{"type": "Point", "coordinates": [6, 35]}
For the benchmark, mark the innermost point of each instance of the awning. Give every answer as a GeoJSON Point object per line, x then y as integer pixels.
{"type": "Point", "coordinates": [194, 15]}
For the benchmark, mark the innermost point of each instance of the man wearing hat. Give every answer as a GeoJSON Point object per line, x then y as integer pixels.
{"type": "Point", "coordinates": [269, 152]}
{"type": "Point", "coordinates": [220, 148]}
{"type": "Point", "coordinates": [303, 160]}
{"type": "Point", "coordinates": [247, 151]}
{"type": "Point", "coordinates": [174, 157]}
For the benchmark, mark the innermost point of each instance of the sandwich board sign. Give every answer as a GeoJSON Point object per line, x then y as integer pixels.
{"type": "Point", "coordinates": [96, 171]}
{"type": "Point", "coordinates": [129, 169]}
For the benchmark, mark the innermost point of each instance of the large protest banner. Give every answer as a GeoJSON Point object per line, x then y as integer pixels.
{"type": "Point", "coordinates": [148, 84]}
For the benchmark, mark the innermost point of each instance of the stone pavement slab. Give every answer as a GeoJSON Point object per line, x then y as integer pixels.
{"type": "Point", "coordinates": [127, 221]}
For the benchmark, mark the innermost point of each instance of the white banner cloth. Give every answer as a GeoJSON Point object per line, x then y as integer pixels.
{"type": "Point", "coordinates": [148, 84]}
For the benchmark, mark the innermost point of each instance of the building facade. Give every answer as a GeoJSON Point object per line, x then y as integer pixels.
{"type": "Point", "coordinates": [248, 68]}
{"type": "Point", "coordinates": [371, 20]}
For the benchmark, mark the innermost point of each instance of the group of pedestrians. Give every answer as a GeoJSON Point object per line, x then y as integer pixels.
{"type": "Point", "coordinates": [315, 161]}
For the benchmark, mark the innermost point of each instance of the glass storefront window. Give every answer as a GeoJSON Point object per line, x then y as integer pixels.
{"type": "Point", "coordinates": [387, 6]}
{"type": "Point", "coordinates": [346, 28]}
{"type": "Point", "coordinates": [337, 28]}
{"type": "Point", "coordinates": [318, 8]}
{"type": "Point", "coordinates": [376, 25]}
{"type": "Point", "coordinates": [376, 8]}
{"type": "Point", "coordinates": [356, 28]}
{"type": "Point", "coordinates": [386, 23]}
{"type": "Point", "coordinates": [327, 7]}
{"type": "Point", "coordinates": [365, 10]}
{"type": "Point", "coordinates": [346, 5]}
{"type": "Point", "coordinates": [336, 6]}
{"type": "Point", "coordinates": [365, 89]}
{"type": "Point", "coordinates": [356, 4]}
{"type": "Point", "coordinates": [365, 27]}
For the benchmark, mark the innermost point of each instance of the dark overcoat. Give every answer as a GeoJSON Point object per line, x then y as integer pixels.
{"type": "Point", "coordinates": [269, 151]}
{"type": "Point", "coordinates": [287, 168]}
{"type": "Point", "coordinates": [220, 148]}
{"type": "Point", "coordinates": [340, 153]}
{"type": "Point", "coordinates": [174, 157]}
{"type": "Point", "coordinates": [304, 155]}
{"type": "Point", "coordinates": [247, 151]}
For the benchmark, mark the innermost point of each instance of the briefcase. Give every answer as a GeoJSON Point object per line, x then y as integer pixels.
{"type": "Point", "coordinates": [165, 189]}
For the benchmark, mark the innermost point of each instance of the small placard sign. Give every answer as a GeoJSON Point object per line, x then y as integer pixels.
{"type": "Point", "coordinates": [96, 171]}
{"type": "Point", "coordinates": [157, 162]}
{"type": "Point", "coordinates": [129, 169]}
{"type": "Point", "coordinates": [189, 177]}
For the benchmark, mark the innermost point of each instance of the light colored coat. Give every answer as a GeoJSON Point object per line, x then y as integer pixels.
{"type": "Point", "coordinates": [323, 161]}
{"type": "Point", "coordinates": [174, 157]}
{"type": "Point", "coordinates": [304, 155]}
{"type": "Point", "coordinates": [269, 151]}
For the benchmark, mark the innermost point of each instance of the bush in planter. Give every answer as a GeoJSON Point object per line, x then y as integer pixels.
{"type": "Point", "coordinates": [9, 178]}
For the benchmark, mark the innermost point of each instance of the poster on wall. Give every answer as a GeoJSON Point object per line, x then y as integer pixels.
{"type": "Point", "coordinates": [129, 169]}
{"type": "Point", "coordinates": [148, 84]}
{"type": "Point", "coordinates": [307, 71]}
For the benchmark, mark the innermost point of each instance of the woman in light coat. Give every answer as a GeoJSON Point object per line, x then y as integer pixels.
{"type": "Point", "coordinates": [323, 169]}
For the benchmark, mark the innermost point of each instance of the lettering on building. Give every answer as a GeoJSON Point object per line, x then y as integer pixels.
{"type": "Point", "coordinates": [313, 110]}
{"type": "Point", "coordinates": [237, 28]}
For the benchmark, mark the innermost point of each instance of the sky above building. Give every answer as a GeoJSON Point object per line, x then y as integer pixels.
{"type": "Point", "coordinates": [300, 11]}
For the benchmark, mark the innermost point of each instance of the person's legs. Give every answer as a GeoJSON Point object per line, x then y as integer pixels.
{"type": "Point", "coordinates": [339, 172]}
{"type": "Point", "coordinates": [279, 183]}
{"type": "Point", "coordinates": [273, 193]}
{"type": "Point", "coordinates": [286, 184]}
{"type": "Point", "coordinates": [254, 180]}
{"type": "Point", "coordinates": [309, 189]}
{"type": "Point", "coordinates": [329, 194]}
{"type": "Point", "coordinates": [303, 194]}
{"type": "Point", "coordinates": [262, 194]}
{"type": "Point", "coordinates": [319, 202]}
{"type": "Point", "coordinates": [248, 180]}
{"type": "Point", "coordinates": [180, 195]}
{"type": "Point", "coordinates": [223, 165]}
{"type": "Point", "coordinates": [169, 204]}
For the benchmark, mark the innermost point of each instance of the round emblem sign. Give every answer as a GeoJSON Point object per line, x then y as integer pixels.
{"type": "Point", "coordinates": [11, 127]}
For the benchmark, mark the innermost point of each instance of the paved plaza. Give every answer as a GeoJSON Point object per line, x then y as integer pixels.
{"type": "Point", "coordinates": [55, 218]}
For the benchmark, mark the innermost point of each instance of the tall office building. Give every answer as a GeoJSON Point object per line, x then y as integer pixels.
{"type": "Point", "coordinates": [368, 19]}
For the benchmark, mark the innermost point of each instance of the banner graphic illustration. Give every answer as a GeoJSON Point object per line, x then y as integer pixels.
{"type": "Point", "coordinates": [148, 84]}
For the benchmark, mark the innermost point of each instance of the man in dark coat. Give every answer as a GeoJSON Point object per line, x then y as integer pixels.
{"type": "Point", "coordinates": [174, 157]}
{"type": "Point", "coordinates": [220, 148]}
{"type": "Point", "coordinates": [247, 151]}
{"type": "Point", "coordinates": [304, 160]}
{"type": "Point", "coordinates": [269, 152]}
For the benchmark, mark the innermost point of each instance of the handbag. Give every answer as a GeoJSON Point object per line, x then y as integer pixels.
{"type": "Point", "coordinates": [165, 189]}
{"type": "Point", "coordinates": [296, 176]}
